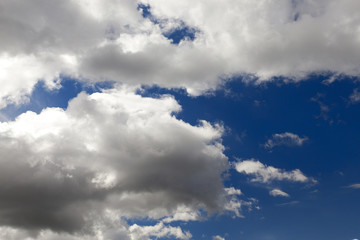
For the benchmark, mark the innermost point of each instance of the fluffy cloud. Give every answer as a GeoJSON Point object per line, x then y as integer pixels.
{"type": "Point", "coordinates": [96, 40]}
{"type": "Point", "coordinates": [108, 156]}
{"type": "Point", "coordinates": [278, 193]}
{"type": "Point", "coordinates": [265, 174]}
{"type": "Point", "coordinates": [285, 139]}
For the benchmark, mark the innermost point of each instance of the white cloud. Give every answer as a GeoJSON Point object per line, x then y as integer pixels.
{"type": "Point", "coordinates": [109, 156]}
{"type": "Point", "coordinates": [285, 139]}
{"type": "Point", "coordinates": [217, 237]}
{"type": "Point", "coordinates": [354, 186]}
{"type": "Point", "coordinates": [233, 191]}
{"type": "Point", "coordinates": [265, 174]}
{"type": "Point", "coordinates": [278, 193]}
{"type": "Point", "coordinates": [159, 231]}
{"type": "Point", "coordinates": [98, 40]}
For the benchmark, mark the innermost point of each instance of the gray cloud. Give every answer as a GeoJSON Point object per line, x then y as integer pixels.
{"type": "Point", "coordinates": [92, 41]}
{"type": "Point", "coordinates": [64, 170]}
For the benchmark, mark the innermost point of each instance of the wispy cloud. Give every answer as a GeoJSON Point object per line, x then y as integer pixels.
{"type": "Point", "coordinates": [265, 174]}
{"type": "Point", "coordinates": [278, 193]}
{"type": "Point", "coordinates": [285, 139]}
{"type": "Point", "coordinates": [355, 96]}
{"type": "Point", "coordinates": [288, 203]}
{"type": "Point", "coordinates": [354, 186]}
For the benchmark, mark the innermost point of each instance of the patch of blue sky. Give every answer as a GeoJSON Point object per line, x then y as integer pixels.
{"type": "Point", "coordinates": [43, 97]}
{"type": "Point", "coordinates": [182, 32]}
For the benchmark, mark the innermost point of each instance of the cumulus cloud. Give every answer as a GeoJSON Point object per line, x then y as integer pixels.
{"type": "Point", "coordinates": [278, 193]}
{"type": "Point", "coordinates": [96, 40]}
{"type": "Point", "coordinates": [265, 174]}
{"type": "Point", "coordinates": [108, 156]}
{"type": "Point", "coordinates": [285, 139]}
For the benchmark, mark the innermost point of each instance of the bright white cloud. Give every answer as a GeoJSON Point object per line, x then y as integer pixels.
{"type": "Point", "coordinates": [285, 139]}
{"type": "Point", "coordinates": [278, 193]}
{"type": "Point", "coordinates": [109, 155]}
{"type": "Point", "coordinates": [265, 174]}
{"type": "Point", "coordinates": [96, 40]}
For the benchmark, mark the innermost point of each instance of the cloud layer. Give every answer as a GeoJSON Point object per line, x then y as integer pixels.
{"type": "Point", "coordinates": [111, 40]}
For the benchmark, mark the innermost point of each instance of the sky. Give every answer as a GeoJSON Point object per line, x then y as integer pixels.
{"type": "Point", "coordinates": [154, 119]}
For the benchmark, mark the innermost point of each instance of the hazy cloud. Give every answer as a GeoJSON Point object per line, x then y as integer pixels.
{"type": "Point", "coordinates": [285, 139]}
{"type": "Point", "coordinates": [355, 96]}
{"type": "Point", "coordinates": [354, 186]}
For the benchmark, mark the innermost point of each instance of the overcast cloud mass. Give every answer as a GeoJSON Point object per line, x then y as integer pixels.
{"type": "Point", "coordinates": [118, 165]}
{"type": "Point", "coordinates": [111, 40]}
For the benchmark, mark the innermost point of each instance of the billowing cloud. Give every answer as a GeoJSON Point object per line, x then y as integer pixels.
{"type": "Point", "coordinates": [278, 193]}
{"type": "Point", "coordinates": [285, 139]}
{"type": "Point", "coordinates": [265, 174]}
{"type": "Point", "coordinates": [96, 40]}
{"type": "Point", "coordinates": [109, 156]}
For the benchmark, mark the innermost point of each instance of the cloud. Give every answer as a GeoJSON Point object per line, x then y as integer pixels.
{"type": "Point", "coordinates": [354, 186]}
{"type": "Point", "coordinates": [355, 96]}
{"type": "Point", "coordinates": [91, 41]}
{"type": "Point", "coordinates": [109, 156]}
{"type": "Point", "coordinates": [217, 237]}
{"type": "Point", "coordinates": [289, 203]}
{"type": "Point", "coordinates": [285, 139]}
{"type": "Point", "coordinates": [324, 109]}
{"type": "Point", "coordinates": [158, 231]}
{"type": "Point", "coordinates": [278, 193]}
{"type": "Point", "coordinates": [266, 174]}
{"type": "Point", "coordinates": [233, 191]}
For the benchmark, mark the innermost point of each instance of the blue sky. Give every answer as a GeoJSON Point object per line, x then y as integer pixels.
{"type": "Point", "coordinates": [151, 119]}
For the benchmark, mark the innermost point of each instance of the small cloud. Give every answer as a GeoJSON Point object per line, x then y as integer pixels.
{"type": "Point", "coordinates": [217, 237]}
{"type": "Point", "coordinates": [265, 174]}
{"type": "Point", "coordinates": [285, 139]}
{"type": "Point", "coordinates": [354, 186]}
{"type": "Point", "coordinates": [288, 203]}
{"type": "Point", "coordinates": [233, 191]}
{"type": "Point", "coordinates": [324, 109]}
{"type": "Point", "coordinates": [278, 193]}
{"type": "Point", "coordinates": [355, 96]}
